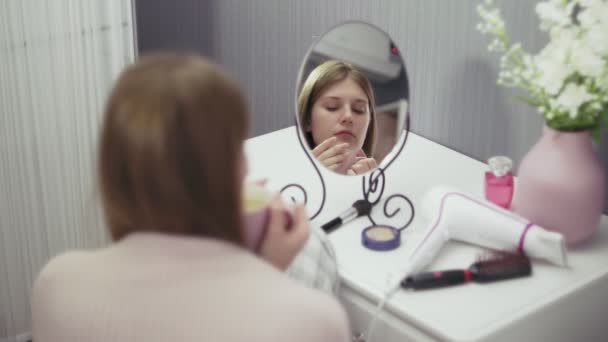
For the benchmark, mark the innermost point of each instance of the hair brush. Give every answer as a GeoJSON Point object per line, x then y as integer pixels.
{"type": "Point", "coordinates": [488, 268]}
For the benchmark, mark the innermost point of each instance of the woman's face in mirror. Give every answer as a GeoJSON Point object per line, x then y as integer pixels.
{"type": "Point", "coordinates": [341, 111]}
{"type": "Point", "coordinates": [352, 98]}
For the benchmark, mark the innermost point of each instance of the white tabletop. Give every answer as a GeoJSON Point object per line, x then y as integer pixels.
{"type": "Point", "coordinates": [468, 312]}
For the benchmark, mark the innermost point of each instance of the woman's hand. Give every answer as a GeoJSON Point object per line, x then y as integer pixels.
{"type": "Point", "coordinates": [331, 153]}
{"type": "Point", "coordinates": [361, 166]}
{"type": "Point", "coordinates": [282, 243]}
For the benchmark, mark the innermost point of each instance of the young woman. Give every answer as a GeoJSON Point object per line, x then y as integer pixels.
{"type": "Point", "coordinates": [336, 111]}
{"type": "Point", "coordinates": [171, 168]}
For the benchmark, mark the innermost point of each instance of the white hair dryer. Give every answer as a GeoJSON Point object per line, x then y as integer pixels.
{"type": "Point", "coordinates": [460, 216]}
{"type": "Point", "coordinates": [456, 215]}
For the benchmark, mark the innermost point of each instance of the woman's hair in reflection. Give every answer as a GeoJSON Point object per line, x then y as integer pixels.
{"type": "Point", "coordinates": [170, 150]}
{"type": "Point", "coordinates": [320, 79]}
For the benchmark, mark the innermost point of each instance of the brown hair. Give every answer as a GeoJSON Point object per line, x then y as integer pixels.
{"type": "Point", "coordinates": [170, 149]}
{"type": "Point", "coordinates": [324, 76]}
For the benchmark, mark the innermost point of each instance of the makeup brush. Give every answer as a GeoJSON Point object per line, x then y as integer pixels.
{"type": "Point", "coordinates": [494, 267]}
{"type": "Point", "coordinates": [359, 208]}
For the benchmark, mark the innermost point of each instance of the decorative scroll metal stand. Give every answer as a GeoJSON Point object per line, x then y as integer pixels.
{"type": "Point", "coordinates": [372, 187]}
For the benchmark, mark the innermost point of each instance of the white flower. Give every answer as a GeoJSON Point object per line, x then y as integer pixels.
{"type": "Point", "coordinates": [553, 13]}
{"type": "Point", "coordinates": [587, 18]}
{"type": "Point", "coordinates": [572, 98]}
{"type": "Point", "coordinates": [597, 38]}
{"type": "Point", "coordinates": [553, 62]}
{"type": "Point", "coordinates": [563, 39]}
{"type": "Point", "coordinates": [589, 3]}
{"type": "Point", "coordinates": [602, 82]}
{"type": "Point", "coordinates": [595, 12]}
{"type": "Point", "coordinates": [597, 106]}
{"type": "Point", "coordinates": [571, 72]}
{"type": "Point", "coordinates": [586, 62]}
{"type": "Point", "coordinates": [553, 72]}
{"type": "Point", "coordinates": [527, 74]}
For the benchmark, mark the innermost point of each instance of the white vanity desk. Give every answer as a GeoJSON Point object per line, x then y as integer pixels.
{"type": "Point", "coordinates": [554, 304]}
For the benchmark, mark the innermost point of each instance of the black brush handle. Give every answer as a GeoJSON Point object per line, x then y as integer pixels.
{"type": "Point", "coordinates": [429, 280]}
{"type": "Point", "coordinates": [332, 225]}
{"type": "Point", "coordinates": [487, 274]}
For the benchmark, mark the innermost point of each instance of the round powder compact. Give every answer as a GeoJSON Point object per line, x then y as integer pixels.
{"type": "Point", "coordinates": [381, 238]}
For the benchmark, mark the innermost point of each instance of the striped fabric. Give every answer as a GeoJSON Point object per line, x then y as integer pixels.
{"type": "Point", "coordinates": [58, 60]}
{"type": "Point", "coordinates": [316, 264]}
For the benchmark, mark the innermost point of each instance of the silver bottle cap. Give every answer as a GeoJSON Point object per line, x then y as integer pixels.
{"type": "Point", "coordinates": [500, 165]}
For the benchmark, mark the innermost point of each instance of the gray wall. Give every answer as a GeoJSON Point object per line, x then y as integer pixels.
{"type": "Point", "coordinates": [454, 98]}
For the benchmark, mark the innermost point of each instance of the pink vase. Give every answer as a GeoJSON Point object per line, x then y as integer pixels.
{"type": "Point", "coordinates": [560, 185]}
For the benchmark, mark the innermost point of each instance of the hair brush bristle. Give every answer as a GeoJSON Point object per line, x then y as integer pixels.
{"type": "Point", "coordinates": [501, 265]}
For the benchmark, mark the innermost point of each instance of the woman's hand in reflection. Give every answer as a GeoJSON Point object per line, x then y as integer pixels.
{"type": "Point", "coordinates": [331, 153]}
{"type": "Point", "coordinates": [283, 241]}
{"type": "Point", "coordinates": [362, 165]}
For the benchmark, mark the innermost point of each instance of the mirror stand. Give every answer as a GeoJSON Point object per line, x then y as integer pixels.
{"type": "Point", "coordinates": [373, 186]}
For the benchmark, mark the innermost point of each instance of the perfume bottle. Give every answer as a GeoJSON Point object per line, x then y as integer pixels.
{"type": "Point", "coordinates": [499, 181]}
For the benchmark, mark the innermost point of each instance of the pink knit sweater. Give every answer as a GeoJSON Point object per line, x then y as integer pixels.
{"type": "Point", "coordinates": [153, 287]}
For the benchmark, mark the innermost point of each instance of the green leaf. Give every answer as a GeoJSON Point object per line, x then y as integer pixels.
{"type": "Point", "coordinates": [595, 134]}
{"type": "Point", "coordinates": [529, 100]}
{"type": "Point", "coordinates": [567, 124]}
{"type": "Point", "coordinates": [604, 116]}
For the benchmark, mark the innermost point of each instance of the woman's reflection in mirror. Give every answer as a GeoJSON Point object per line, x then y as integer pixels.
{"type": "Point", "coordinates": [336, 112]}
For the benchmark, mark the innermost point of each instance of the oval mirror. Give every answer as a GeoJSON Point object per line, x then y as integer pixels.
{"type": "Point", "coordinates": [352, 98]}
